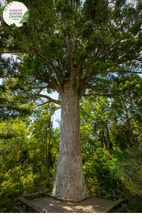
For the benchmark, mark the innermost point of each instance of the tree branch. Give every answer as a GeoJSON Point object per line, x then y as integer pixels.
{"type": "Point", "coordinates": [40, 87]}
{"type": "Point", "coordinates": [102, 33]}
{"type": "Point", "coordinates": [35, 94]}
{"type": "Point", "coordinates": [14, 52]}
{"type": "Point", "coordinates": [33, 80]}
{"type": "Point", "coordinates": [46, 103]}
{"type": "Point", "coordinates": [50, 99]}
{"type": "Point", "coordinates": [84, 82]}
{"type": "Point", "coordinates": [91, 73]}
{"type": "Point", "coordinates": [39, 78]}
{"type": "Point", "coordinates": [88, 75]}
{"type": "Point", "coordinates": [108, 95]}
{"type": "Point", "coordinates": [93, 87]}
{"type": "Point", "coordinates": [54, 110]}
{"type": "Point", "coordinates": [83, 88]}
{"type": "Point", "coordinates": [53, 67]}
{"type": "Point", "coordinates": [99, 54]}
{"type": "Point", "coordinates": [57, 75]}
{"type": "Point", "coordinates": [56, 85]}
{"type": "Point", "coordinates": [124, 71]}
{"type": "Point", "coordinates": [51, 85]}
{"type": "Point", "coordinates": [86, 85]}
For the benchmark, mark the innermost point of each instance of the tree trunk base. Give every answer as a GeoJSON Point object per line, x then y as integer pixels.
{"type": "Point", "coordinates": [69, 182]}
{"type": "Point", "coordinates": [69, 200]}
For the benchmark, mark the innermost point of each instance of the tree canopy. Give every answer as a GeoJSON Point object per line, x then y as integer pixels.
{"type": "Point", "coordinates": [90, 45]}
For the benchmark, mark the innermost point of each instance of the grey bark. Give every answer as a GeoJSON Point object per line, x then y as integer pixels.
{"type": "Point", "coordinates": [69, 180]}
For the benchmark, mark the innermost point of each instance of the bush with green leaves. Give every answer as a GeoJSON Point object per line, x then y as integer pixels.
{"type": "Point", "coordinates": [121, 170]}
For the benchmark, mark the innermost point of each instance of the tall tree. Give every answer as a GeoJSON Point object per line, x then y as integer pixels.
{"type": "Point", "coordinates": [11, 104]}
{"type": "Point", "coordinates": [73, 49]}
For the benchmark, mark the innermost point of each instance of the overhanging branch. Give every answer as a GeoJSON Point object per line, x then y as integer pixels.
{"type": "Point", "coordinates": [50, 99]}
{"type": "Point", "coordinates": [35, 94]}
{"type": "Point", "coordinates": [51, 81]}
{"type": "Point", "coordinates": [123, 71]}
{"type": "Point", "coordinates": [54, 82]}
{"type": "Point", "coordinates": [88, 75]}
{"type": "Point", "coordinates": [98, 94]}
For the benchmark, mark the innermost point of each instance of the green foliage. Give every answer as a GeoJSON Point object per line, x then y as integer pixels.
{"type": "Point", "coordinates": [27, 162]}
{"type": "Point", "coordinates": [87, 30]}
{"type": "Point", "coordinates": [107, 41]}
{"type": "Point", "coordinates": [2, 210]}
{"type": "Point", "coordinates": [23, 161]}
{"type": "Point", "coordinates": [120, 171]}
{"type": "Point", "coordinates": [111, 151]}
{"type": "Point", "coordinates": [99, 66]}
{"type": "Point", "coordinates": [95, 8]}
{"type": "Point", "coordinates": [11, 104]}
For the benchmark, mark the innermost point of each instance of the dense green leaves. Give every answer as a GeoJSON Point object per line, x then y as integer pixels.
{"type": "Point", "coordinates": [98, 47]}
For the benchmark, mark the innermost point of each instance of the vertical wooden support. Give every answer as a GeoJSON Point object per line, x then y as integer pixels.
{"type": "Point", "coordinates": [114, 195]}
{"type": "Point", "coordinates": [40, 189]}
{"type": "Point", "coordinates": [26, 208]}
{"type": "Point", "coordinates": [100, 193]}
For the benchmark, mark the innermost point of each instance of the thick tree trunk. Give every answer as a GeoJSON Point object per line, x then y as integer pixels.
{"type": "Point", "coordinates": [69, 180]}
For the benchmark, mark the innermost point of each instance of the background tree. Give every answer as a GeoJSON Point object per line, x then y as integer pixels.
{"type": "Point", "coordinates": [11, 104]}
{"type": "Point", "coordinates": [70, 50]}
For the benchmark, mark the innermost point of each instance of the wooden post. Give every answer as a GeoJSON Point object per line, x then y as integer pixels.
{"type": "Point", "coordinates": [40, 189]}
{"type": "Point", "coordinates": [114, 195]}
{"type": "Point", "coordinates": [100, 193]}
